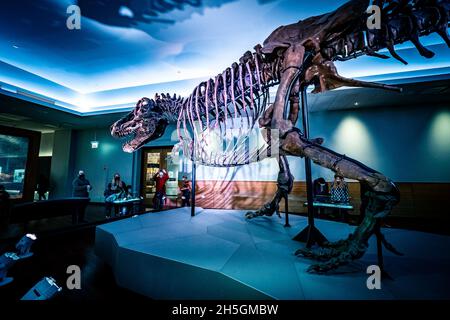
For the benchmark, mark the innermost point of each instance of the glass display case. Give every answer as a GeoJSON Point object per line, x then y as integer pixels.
{"type": "Point", "coordinates": [13, 162]}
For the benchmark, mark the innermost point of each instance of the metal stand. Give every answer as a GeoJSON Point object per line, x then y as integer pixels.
{"type": "Point", "coordinates": [286, 209]}
{"type": "Point", "coordinates": [384, 274]}
{"type": "Point", "coordinates": [194, 169]}
{"type": "Point", "coordinates": [310, 235]}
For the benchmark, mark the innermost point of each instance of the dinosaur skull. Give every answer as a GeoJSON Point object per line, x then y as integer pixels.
{"type": "Point", "coordinates": [145, 123]}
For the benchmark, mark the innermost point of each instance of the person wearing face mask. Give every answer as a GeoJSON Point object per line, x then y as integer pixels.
{"type": "Point", "coordinates": [339, 194]}
{"type": "Point", "coordinates": [160, 179]}
{"type": "Point", "coordinates": [339, 190]}
{"type": "Point", "coordinates": [321, 194]}
{"type": "Point", "coordinates": [185, 192]}
{"type": "Point", "coordinates": [115, 190]}
{"type": "Point", "coordinates": [80, 189]}
{"type": "Point", "coordinates": [81, 186]}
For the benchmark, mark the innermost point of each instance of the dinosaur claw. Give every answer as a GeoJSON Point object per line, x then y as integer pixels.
{"type": "Point", "coordinates": [317, 140]}
{"type": "Point", "coordinates": [395, 54]}
{"type": "Point", "coordinates": [315, 269]}
{"type": "Point", "coordinates": [303, 252]}
{"type": "Point", "coordinates": [250, 215]}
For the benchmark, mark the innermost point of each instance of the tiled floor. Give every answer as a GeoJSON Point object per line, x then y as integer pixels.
{"type": "Point", "coordinates": [184, 257]}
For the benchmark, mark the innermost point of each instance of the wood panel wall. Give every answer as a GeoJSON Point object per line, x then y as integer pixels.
{"type": "Point", "coordinates": [424, 200]}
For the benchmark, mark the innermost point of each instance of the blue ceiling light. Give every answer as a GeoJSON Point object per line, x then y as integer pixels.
{"type": "Point", "coordinates": [124, 52]}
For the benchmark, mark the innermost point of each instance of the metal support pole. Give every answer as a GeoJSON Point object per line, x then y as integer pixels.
{"type": "Point", "coordinates": [286, 208]}
{"type": "Point", "coordinates": [377, 231]}
{"type": "Point", "coordinates": [194, 169]}
{"type": "Point", "coordinates": [308, 174]}
{"type": "Point", "coordinates": [310, 234]}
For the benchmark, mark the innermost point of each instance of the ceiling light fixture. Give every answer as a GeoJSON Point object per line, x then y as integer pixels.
{"type": "Point", "coordinates": [6, 88]}
{"type": "Point", "coordinates": [35, 96]}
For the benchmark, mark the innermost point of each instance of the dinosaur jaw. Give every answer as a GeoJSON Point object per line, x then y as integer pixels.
{"type": "Point", "coordinates": [137, 141]}
{"type": "Point", "coordinates": [140, 135]}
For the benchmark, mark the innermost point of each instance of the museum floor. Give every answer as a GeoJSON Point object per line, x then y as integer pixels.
{"type": "Point", "coordinates": [95, 214]}
{"type": "Point", "coordinates": [54, 252]}
{"type": "Point", "coordinates": [218, 254]}
{"type": "Point", "coordinates": [422, 273]}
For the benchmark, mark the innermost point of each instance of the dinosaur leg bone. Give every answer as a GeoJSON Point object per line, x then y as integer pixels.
{"type": "Point", "coordinates": [382, 195]}
{"type": "Point", "coordinates": [285, 183]}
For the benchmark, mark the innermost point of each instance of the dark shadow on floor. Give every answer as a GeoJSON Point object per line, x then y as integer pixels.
{"type": "Point", "coordinates": [52, 255]}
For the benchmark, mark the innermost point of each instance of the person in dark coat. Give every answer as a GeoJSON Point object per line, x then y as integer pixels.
{"type": "Point", "coordinates": [321, 194]}
{"type": "Point", "coordinates": [185, 192]}
{"type": "Point", "coordinates": [81, 186]}
{"type": "Point", "coordinates": [42, 186]}
{"type": "Point", "coordinates": [320, 188]}
{"type": "Point", "coordinates": [80, 189]}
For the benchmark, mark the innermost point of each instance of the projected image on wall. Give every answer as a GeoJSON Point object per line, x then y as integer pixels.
{"type": "Point", "coordinates": [13, 160]}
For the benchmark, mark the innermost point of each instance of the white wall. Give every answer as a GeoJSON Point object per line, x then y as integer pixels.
{"type": "Point", "coordinates": [406, 144]}
{"type": "Point", "coordinates": [46, 146]}
{"type": "Point", "coordinates": [100, 164]}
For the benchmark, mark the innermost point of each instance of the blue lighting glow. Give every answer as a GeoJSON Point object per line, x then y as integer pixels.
{"type": "Point", "coordinates": [122, 52]}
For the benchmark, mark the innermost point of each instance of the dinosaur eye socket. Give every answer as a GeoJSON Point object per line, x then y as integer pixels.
{"type": "Point", "coordinates": [144, 105]}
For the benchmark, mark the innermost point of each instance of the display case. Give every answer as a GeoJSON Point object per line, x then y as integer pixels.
{"type": "Point", "coordinates": [18, 162]}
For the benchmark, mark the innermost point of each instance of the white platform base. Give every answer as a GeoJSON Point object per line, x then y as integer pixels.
{"type": "Point", "coordinates": [220, 255]}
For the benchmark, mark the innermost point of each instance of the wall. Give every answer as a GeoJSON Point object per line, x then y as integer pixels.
{"type": "Point", "coordinates": [169, 138]}
{"type": "Point", "coordinates": [408, 144]}
{"type": "Point", "coordinates": [46, 147]}
{"type": "Point", "coordinates": [100, 164]}
{"type": "Point", "coordinates": [420, 200]}
{"type": "Point", "coordinates": [60, 167]}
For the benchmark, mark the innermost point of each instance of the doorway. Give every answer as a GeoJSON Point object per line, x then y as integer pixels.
{"type": "Point", "coordinates": [152, 160]}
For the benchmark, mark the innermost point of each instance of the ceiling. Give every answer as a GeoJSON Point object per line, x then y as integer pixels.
{"type": "Point", "coordinates": [127, 49]}
{"type": "Point", "coordinates": [31, 116]}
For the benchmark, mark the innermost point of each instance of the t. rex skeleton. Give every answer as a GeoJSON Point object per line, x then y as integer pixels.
{"type": "Point", "coordinates": [292, 57]}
